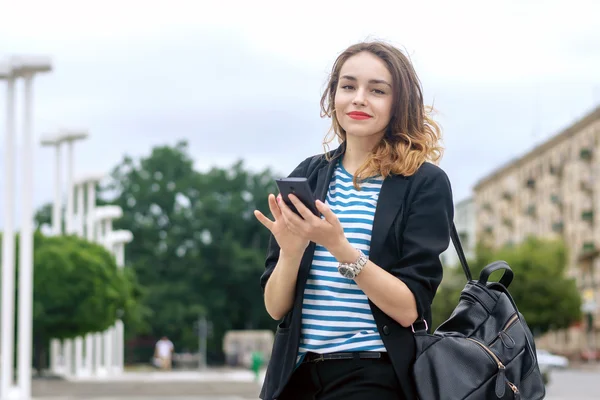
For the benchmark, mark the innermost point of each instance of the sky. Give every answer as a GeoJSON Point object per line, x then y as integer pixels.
{"type": "Point", "coordinates": [242, 80]}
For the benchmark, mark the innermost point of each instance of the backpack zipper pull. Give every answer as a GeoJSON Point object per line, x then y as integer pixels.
{"type": "Point", "coordinates": [515, 390]}
{"type": "Point", "coordinates": [501, 381]}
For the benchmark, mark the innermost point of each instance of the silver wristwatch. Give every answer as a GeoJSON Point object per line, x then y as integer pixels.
{"type": "Point", "coordinates": [351, 270]}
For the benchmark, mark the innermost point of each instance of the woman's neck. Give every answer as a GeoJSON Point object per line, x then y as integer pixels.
{"type": "Point", "coordinates": [357, 151]}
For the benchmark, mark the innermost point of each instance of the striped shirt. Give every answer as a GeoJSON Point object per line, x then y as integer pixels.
{"type": "Point", "coordinates": [336, 316]}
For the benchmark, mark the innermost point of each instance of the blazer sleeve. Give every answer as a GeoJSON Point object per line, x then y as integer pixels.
{"type": "Point", "coordinates": [273, 248]}
{"type": "Point", "coordinates": [430, 214]}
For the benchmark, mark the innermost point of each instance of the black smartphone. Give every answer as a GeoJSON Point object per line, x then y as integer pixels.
{"type": "Point", "coordinates": [301, 189]}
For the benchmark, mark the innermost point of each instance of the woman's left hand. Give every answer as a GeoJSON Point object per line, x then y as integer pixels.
{"type": "Point", "coordinates": [328, 231]}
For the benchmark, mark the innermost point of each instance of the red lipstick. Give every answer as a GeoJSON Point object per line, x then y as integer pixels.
{"type": "Point", "coordinates": [358, 115]}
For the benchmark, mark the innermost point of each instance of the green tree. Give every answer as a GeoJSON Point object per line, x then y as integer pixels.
{"type": "Point", "coordinates": [198, 249]}
{"type": "Point", "coordinates": [541, 289]}
{"type": "Point", "coordinates": [546, 297]}
{"type": "Point", "coordinates": [78, 289]}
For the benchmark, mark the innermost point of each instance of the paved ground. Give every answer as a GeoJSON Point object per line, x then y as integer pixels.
{"type": "Point", "coordinates": [579, 384]}
{"type": "Point", "coordinates": [574, 385]}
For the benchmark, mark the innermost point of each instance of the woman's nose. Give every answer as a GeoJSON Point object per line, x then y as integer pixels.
{"type": "Point", "coordinates": [359, 98]}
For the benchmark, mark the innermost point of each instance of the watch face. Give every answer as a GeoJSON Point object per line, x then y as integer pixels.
{"type": "Point", "coordinates": [346, 272]}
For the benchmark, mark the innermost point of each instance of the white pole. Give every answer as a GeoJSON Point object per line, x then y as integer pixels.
{"type": "Point", "coordinates": [25, 314]}
{"type": "Point", "coordinates": [90, 230]}
{"type": "Point", "coordinates": [98, 353]}
{"type": "Point", "coordinates": [68, 357]}
{"type": "Point", "coordinates": [119, 327]}
{"type": "Point", "coordinates": [108, 335]}
{"type": "Point", "coordinates": [91, 209]}
{"type": "Point", "coordinates": [120, 346]}
{"type": "Point", "coordinates": [78, 355]}
{"type": "Point", "coordinates": [68, 343]}
{"type": "Point", "coordinates": [80, 189]}
{"type": "Point", "coordinates": [79, 193]}
{"type": "Point", "coordinates": [55, 344]}
{"type": "Point", "coordinates": [8, 249]}
{"type": "Point", "coordinates": [70, 188]}
{"type": "Point", "coordinates": [108, 349]}
{"type": "Point", "coordinates": [57, 206]}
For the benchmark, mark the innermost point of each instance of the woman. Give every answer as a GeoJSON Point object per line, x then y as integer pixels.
{"type": "Point", "coordinates": [349, 286]}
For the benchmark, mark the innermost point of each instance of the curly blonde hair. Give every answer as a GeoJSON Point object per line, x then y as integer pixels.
{"type": "Point", "coordinates": [412, 136]}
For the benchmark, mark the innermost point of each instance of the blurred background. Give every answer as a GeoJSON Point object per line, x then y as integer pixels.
{"type": "Point", "coordinates": [173, 118]}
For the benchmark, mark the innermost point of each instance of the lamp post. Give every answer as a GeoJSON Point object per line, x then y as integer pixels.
{"type": "Point", "coordinates": [53, 141]}
{"type": "Point", "coordinates": [84, 365]}
{"type": "Point", "coordinates": [56, 140]}
{"type": "Point", "coordinates": [25, 67]}
{"type": "Point", "coordinates": [70, 137]}
{"type": "Point", "coordinates": [104, 217]}
{"type": "Point", "coordinates": [8, 241]}
{"type": "Point", "coordinates": [118, 239]}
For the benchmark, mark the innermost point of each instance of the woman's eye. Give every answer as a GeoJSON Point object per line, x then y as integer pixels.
{"type": "Point", "coordinates": [347, 87]}
{"type": "Point", "coordinates": [378, 91]}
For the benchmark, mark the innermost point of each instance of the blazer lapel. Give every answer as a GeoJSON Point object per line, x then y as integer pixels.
{"type": "Point", "coordinates": [324, 179]}
{"type": "Point", "coordinates": [390, 201]}
{"type": "Point", "coordinates": [326, 172]}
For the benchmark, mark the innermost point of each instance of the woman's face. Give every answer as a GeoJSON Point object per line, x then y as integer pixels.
{"type": "Point", "coordinates": [364, 97]}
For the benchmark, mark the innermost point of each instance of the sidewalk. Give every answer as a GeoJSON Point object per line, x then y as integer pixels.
{"type": "Point", "coordinates": [213, 384]}
{"type": "Point", "coordinates": [208, 375]}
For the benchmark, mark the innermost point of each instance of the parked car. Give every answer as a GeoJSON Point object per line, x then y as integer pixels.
{"type": "Point", "coordinates": [548, 361]}
{"type": "Point", "coordinates": [551, 361]}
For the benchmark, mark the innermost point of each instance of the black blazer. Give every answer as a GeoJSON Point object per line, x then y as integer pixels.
{"type": "Point", "coordinates": [411, 229]}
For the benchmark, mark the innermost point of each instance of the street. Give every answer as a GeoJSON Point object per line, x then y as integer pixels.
{"type": "Point", "coordinates": [574, 384]}
{"type": "Point", "coordinates": [565, 385]}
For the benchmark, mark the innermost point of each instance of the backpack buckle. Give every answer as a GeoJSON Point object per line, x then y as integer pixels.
{"type": "Point", "coordinates": [425, 326]}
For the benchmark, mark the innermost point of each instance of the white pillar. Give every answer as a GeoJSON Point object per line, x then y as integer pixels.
{"type": "Point", "coordinates": [55, 344]}
{"type": "Point", "coordinates": [91, 209]}
{"type": "Point", "coordinates": [25, 314]}
{"type": "Point", "coordinates": [104, 217]}
{"type": "Point", "coordinates": [69, 228]}
{"type": "Point", "coordinates": [70, 189]}
{"type": "Point", "coordinates": [55, 351]}
{"type": "Point", "coordinates": [79, 193]}
{"type": "Point", "coordinates": [67, 357]}
{"type": "Point", "coordinates": [120, 254]}
{"type": "Point", "coordinates": [78, 365]}
{"type": "Point", "coordinates": [8, 249]}
{"type": "Point", "coordinates": [99, 365]}
{"type": "Point", "coordinates": [90, 234]}
{"type": "Point", "coordinates": [108, 339]}
{"type": "Point", "coordinates": [119, 327]}
{"type": "Point", "coordinates": [57, 205]}
{"type": "Point", "coordinates": [108, 335]}
{"type": "Point", "coordinates": [115, 241]}
{"type": "Point", "coordinates": [120, 347]}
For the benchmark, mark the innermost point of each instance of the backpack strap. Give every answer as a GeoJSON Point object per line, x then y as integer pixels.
{"type": "Point", "coordinates": [461, 254]}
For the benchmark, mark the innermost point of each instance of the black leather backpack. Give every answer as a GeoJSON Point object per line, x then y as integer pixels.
{"type": "Point", "coordinates": [484, 351]}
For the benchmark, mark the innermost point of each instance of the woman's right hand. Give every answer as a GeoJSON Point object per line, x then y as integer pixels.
{"type": "Point", "coordinates": [288, 242]}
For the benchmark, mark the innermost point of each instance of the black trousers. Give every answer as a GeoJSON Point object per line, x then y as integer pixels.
{"type": "Point", "coordinates": [357, 379]}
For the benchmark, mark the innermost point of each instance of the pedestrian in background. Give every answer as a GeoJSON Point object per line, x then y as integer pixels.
{"type": "Point", "coordinates": [163, 353]}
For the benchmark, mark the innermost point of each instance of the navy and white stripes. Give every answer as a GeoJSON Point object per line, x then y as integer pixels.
{"type": "Point", "coordinates": [336, 316]}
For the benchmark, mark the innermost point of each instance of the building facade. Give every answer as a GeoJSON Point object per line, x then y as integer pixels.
{"type": "Point", "coordinates": [552, 191]}
{"type": "Point", "coordinates": [465, 221]}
